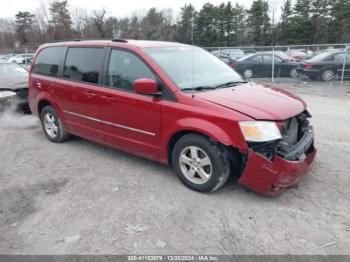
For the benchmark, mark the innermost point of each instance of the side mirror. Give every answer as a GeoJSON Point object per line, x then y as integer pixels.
{"type": "Point", "coordinates": [146, 86]}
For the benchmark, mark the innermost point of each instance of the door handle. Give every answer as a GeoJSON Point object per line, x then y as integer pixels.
{"type": "Point", "coordinates": [90, 95]}
{"type": "Point", "coordinates": [108, 98]}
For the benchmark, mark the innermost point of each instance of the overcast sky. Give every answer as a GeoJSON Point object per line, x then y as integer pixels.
{"type": "Point", "coordinates": [119, 8]}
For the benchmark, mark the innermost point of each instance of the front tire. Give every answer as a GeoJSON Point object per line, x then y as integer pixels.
{"type": "Point", "coordinates": [52, 125]}
{"type": "Point", "coordinates": [200, 163]}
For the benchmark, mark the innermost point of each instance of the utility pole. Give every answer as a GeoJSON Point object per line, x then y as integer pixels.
{"type": "Point", "coordinates": [344, 62]}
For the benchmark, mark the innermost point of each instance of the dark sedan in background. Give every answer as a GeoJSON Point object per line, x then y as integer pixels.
{"type": "Point", "coordinates": [260, 65]}
{"type": "Point", "coordinates": [13, 87]}
{"type": "Point", "coordinates": [326, 66]}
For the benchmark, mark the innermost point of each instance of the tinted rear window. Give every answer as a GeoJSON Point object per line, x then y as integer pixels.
{"type": "Point", "coordinates": [247, 57]}
{"type": "Point", "coordinates": [83, 64]}
{"type": "Point", "coordinates": [323, 57]}
{"type": "Point", "coordinates": [48, 60]}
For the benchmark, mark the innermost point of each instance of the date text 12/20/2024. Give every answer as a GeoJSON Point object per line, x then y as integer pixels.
{"type": "Point", "coordinates": [174, 258]}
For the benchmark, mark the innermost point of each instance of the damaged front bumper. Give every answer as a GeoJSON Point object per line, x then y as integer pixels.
{"type": "Point", "coordinates": [272, 177]}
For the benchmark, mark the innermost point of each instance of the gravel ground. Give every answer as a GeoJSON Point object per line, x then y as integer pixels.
{"type": "Point", "coordinates": [82, 198]}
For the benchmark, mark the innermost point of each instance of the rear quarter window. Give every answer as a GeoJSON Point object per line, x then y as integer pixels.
{"type": "Point", "coordinates": [48, 60]}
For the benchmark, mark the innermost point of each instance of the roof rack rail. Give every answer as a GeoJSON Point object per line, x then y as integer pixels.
{"type": "Point", "coordinates": [66, 40]}
{"type": "Point", "coordinates": [119, 40]}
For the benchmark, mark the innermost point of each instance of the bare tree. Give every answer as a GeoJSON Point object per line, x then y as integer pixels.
{"type": "Point", "coordinates": [79, 19]}
{"type": "Point", "coordinates": [7, 33]}
{"type": "Point", "coordinates": [98, 19]}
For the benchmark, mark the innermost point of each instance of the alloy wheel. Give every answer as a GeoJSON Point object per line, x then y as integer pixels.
{"type": "Point", "coordinates": [328, 75]}
{"type": "Point", "coordinates": [248, 73]}
{"type": "Point", "coordinates": [50, 125]}
{"type": "Point", "coordinates": [195, 164]}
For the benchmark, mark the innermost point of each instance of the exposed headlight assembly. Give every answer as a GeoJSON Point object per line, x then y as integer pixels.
{"type": "Point", "coordinates": [7, 94]}
{"type": "Point", "coordinates": [260, 131]}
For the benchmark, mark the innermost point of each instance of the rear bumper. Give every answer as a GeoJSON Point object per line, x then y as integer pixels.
{"type": "Point", "coordinates": [273, 177]}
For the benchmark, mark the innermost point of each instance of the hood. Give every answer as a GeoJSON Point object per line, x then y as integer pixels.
{"type": "Point", "coordinates": [13, 84]}
{"type": "Point", "coordinates": [260, 102]}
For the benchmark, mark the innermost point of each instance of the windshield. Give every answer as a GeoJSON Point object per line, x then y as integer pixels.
{"type": "Point", "coordinates": [12, 71]}
{"type": "Point", "coordinates": [190, 67]}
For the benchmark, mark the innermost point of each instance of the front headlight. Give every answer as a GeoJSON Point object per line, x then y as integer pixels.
{"type": "Point", "coordinates": [260, 131]}
{"type": "Point", "coordinates": [7, 94]}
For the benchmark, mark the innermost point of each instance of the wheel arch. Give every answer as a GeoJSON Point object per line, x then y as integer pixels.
{"type": "Point", "coordinates": [41, 104]}
{"type": "Point", "coordinates": [45, 99]}
{"type": "Point", "coordinates": [211, 131]}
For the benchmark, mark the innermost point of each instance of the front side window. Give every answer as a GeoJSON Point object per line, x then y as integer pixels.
{"type": "Point", "coordinates": [48, 60]}
{"type": "Point", "coordinates": [124, 68]}
{"type": "Point", "coordinates": [83, 64]}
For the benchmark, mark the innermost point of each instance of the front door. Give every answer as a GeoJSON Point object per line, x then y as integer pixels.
{"type": "Point", "coordinates": [129, 121]}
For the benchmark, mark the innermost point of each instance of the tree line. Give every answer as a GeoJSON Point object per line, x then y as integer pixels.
{"type": "Point", "coordinates": [226, 24]}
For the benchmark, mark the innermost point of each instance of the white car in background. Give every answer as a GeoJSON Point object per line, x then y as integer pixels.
{"type": "Point", "coordinates": [21, 58]}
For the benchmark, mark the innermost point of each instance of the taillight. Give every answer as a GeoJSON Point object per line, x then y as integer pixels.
{"type": "Point", "coordinates": [308, 66]}
{"type": "Point", "coordinates": [234, 66]}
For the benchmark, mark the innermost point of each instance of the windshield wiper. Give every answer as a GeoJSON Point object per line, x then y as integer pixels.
{"type": "Point", "coordinates": [199, 88]}
{"type": "Point", "coordinates": [231, 84]}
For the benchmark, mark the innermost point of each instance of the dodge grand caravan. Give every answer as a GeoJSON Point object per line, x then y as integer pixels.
{"type": "Point", "coordinates": [176, 104]}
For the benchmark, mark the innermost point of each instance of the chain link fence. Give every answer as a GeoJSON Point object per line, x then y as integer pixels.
{"type": "Point", "coordinates": [325, 62]}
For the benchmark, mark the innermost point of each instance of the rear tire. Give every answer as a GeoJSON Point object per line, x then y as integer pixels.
{"type": "Point", "coordinates": [200, 163]}
{"type": "Point", "coordinates": [52, 125]}
{"type": "Point", "coordinates": [328, 75]}
{"type": "Point", "coordinates": [248, 73]}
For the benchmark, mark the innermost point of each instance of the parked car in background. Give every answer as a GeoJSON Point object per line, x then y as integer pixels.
{"type": "Point", "coordinates": [326, 66]}
{"type": "Point", "coordinates": [21, 58]}
{"type": "Point", "coordinates": [260, 65]}
{"type": "Point", "coordinates": [249, 51]}
{"type": "Point", "coordinates": [299, 54]}
{"type": "Point", "coordinates": [281, 54]}
{"type": "Point", "coordinates": [176, 104]}
{"type": "Point", "coordinates": [223, 56]}
{"type": "Point", "coordinates": [233, 53]}
{"type": "Point", "coordinates": [13, 87]}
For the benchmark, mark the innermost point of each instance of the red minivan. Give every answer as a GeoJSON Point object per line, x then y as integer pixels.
{"type": "Point", "coordinates": [176, 104]}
